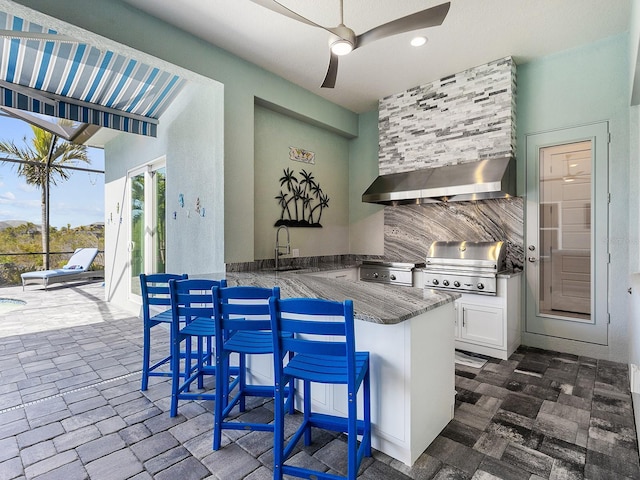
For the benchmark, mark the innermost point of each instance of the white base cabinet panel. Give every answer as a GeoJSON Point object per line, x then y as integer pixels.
{"type": "Point", "coordinates": [412, 382]}
{"type": "Point", "coordinates": [490, 325]}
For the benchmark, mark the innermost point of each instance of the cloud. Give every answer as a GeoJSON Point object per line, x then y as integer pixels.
{"type": "Point", "coordinates": [8, 197]}
{"type": "Point", "coordinates": [25, 187]}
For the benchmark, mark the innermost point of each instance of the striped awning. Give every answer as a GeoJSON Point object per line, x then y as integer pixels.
{"type": "Point", "coordinates": [51, 74]}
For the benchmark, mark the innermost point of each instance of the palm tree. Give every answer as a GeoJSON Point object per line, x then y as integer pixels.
{"type": "Point", "coordinates": [43, 164]}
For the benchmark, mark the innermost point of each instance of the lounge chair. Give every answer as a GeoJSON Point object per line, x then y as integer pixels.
{"type": "Point", "coordinates": [76, 269]}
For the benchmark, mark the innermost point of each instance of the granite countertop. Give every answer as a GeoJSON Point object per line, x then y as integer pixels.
{"type": "Point", "coordinates": [372, 302]}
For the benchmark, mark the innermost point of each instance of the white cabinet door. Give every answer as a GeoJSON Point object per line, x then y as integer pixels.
{"type": "Point", "coordinates": [481, 324]}
{"type": "Point", "coordinates": [343, 274]}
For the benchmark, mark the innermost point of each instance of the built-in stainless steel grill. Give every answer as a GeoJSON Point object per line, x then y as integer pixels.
{"type": "Point", "coordinates": [468, 267]}
{"type": "Point", "coordinates": [392, 273]}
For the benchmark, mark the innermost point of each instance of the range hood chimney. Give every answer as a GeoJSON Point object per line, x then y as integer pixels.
{"type": "Point", "coordinates": [479, 180]}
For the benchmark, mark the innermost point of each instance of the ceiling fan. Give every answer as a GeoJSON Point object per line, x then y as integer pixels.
{"type": "Point", "coordinates": [343, 39]}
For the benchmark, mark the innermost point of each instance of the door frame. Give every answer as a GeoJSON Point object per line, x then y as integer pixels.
{"type": "Point", "coordinates": [596, 329]}
{"type": "Point", "coordinates": [148, 170]}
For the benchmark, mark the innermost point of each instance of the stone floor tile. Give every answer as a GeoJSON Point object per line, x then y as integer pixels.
{"type": "Point", "coordinates": [11, 468]}
{"type": "Point", "coordinates": [461, 433]}
{"type": "Point", "coordinates": [111, 425]}
{"type": "Point", "coordinates": [491, 445]}
{"type": "Point", "coordinates": [161, 462]}
{"type": "Point", "coordinates": [455, 454]}
{"type": "Point", "coordinates": [8, 448]}
{"type": "Point", "coordinates": [119, 465]}
{"type": "Point", "coordinates": [37, 452]}
{"type": "Point", "coordinates": [75, 438]}
{"type": "Point", "coordinates": [51, 463]}
{"type": "Point", "coordinates": [262, 473]}
{"type": "Point", "coordinates": [187, 469]}
{"type": "Point", "coordinates": [231, 463]}
{"type": "Point", "coordinates": [88, 418]}
{"type": "Point", "coordinates": [473, 415]}
{"type": "Point", "coordinates": [154, 445]}
{"type": "Point", "coordinates": [521, 404]}
{"type": "Point", "coordinates": [256, 443]}
{"type": "Point", "coordinates": [381, 471]}
{"type": "Point", "coordinates": [40, 434]}
{"type": "Point", "coordinates": [494, 468]}
{"type": "Point", "coordinates": [134, 433]}
{"type": "Point", "coordinates": [425, 466]}
{"type": "Point", "coordinates": [100, 447]}
{"type": "Point", "coordinates": [557, 427]}
{"type": "Point", "coordinates": [562, 470]}
{"type": "Point", "coordinates": [528, 459]}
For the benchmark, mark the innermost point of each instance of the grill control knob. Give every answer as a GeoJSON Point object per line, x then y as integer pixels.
{"type": "Point", "coordinates": [480, 286]}
{"type": "Point", "coordinates": [456, 284]}
{"type": "Point", "coordinates": [375, 275]}
{"type": "Point", "coordinates": [445, 283]}
{"type": "Point", "coordinates": [435, 282]}
{"type": "Point", "coordinates": [392, 276]}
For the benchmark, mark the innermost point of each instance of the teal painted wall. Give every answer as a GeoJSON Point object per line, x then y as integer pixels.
{"type": "Point", "coordinates": [366, 220]}
{"type": "Point", "coordinates": [577, 87]}
{"type": "Point", "coordinates": [274, 133]}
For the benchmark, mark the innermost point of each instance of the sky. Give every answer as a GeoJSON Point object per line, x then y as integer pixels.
{"type": "Point", "coordinates": [76, 202]}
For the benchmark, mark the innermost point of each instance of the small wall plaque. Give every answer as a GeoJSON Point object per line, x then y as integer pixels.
{"type": "Point", "coordinates": [302, 155]}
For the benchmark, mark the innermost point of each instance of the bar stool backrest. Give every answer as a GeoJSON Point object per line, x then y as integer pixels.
{"type": "Point", "coordinates": [320, 327]}
{"type": "Point", "coordinates": [154, 289]}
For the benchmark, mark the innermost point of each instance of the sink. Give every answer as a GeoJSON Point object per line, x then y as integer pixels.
{"type": "Point", "coordinates": [287, 269]}
{"type": "Point", "coordinates": [283, 269]}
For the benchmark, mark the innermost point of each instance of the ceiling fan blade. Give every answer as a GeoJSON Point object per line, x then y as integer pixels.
{"type": "Point", "coordinates": [332, 72]}
{"type": "Point", "coordinates": [282, 10]}
{"type": "Point", "coordinates": [431, 17]}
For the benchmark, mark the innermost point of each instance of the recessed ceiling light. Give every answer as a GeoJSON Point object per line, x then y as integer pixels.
{"type": "Point", "coordinates": [418, 41]}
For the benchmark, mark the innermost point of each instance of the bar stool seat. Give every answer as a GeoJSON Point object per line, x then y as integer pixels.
{"type": "Point", "coordinates": [191, 301]}
{"type": "Point", "coordinates": [323, 348]}
{"type": "Point", "coordinates": [243, 327]}
{"type": "Point", "coordinates": [154, 289]}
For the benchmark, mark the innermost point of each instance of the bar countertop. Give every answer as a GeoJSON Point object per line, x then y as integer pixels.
{"type": "Point", "coordinates": [372, 302]}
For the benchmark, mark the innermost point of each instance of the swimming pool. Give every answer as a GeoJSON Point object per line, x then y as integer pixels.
{"type": "Point", "coordinates": [9, 304]}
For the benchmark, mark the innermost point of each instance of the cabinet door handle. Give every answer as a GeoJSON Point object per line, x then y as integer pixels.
{"type": "Point", "coordinates": [464, 318]}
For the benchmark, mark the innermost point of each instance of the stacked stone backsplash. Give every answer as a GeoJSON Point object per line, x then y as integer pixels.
{"type": "Point", "coordinates": [461, 118]}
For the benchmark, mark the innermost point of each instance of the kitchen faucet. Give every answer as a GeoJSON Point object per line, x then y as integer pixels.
{"type": "Point", "coordinates": [286, 247]}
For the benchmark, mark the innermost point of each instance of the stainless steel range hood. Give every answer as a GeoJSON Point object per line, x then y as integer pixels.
{"type": "Point", "coordinates": [490, 178]}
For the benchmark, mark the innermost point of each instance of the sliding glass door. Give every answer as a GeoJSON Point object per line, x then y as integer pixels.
{"type": "Point", "coordinates": [147, 229]}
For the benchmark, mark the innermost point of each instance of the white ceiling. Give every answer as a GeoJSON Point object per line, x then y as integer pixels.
{"type": "Point", "coordinates": [474, 32]}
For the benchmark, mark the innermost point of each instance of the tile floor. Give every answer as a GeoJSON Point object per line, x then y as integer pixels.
{"type": "Point", "coordinates": [70, 408]}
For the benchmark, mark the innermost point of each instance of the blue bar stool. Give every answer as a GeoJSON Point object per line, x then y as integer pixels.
{"type": "Point", "coordinates": [243, 327]}
{"type": "Point", "coordinates": [321, 360]}
{"type": "Point", "coordinates": [155, 295]}
{"type": "Point", "coordinates": [191, 301]}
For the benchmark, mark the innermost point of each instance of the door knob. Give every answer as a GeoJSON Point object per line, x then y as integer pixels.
{"type": "Point", "coordinates": [532, 248]}
{"type": "Point", "coordinates": [532, 259]}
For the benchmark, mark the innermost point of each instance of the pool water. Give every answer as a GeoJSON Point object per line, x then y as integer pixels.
{"type": "Point", "coordinates": [9, 304]}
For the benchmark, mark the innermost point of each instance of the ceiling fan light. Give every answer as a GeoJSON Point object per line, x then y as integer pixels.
{"type": "Point", "coordinates": [418, 41]}
{"type": "Point", "coordinates": [341, 47]}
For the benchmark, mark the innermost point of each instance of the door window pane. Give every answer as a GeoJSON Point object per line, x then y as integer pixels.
{"type": "Point", "coordinates": [159, 239]}
{"type": "Point", "coordinates": [137, 230]}
{"type": "Point", "coordinates": [565, 230]}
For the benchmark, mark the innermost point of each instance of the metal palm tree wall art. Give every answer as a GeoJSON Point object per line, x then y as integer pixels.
{"type": "Point", "coordinates": [302, 201]}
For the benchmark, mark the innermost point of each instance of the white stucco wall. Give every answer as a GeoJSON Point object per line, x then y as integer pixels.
{"type": "Point", "coordinates": [190, 138]}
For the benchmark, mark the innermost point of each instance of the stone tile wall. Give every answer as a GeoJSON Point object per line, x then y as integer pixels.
{"type": "Point", "coordinates": [463, 117]}
{"type": "Point", "coordinates": [410, 229]}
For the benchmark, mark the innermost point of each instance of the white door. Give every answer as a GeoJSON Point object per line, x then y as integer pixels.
{"type": "Point", "coordinates": [566, 213]}
{"type": "Point", "coordinates": [147, 229]}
